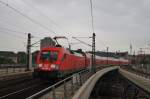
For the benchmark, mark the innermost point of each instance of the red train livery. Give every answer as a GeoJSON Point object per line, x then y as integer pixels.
{"type": "Point", "coordinates": [56, 62]}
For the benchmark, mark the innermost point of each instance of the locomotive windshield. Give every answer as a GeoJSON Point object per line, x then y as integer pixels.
{"type": "Point", "coordinates": [49, 56]}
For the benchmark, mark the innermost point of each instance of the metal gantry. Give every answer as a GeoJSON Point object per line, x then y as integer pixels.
{"type": "Point", "coordinates": [93, 53]}
{"type": "Point", "coordinates": [29, 57]}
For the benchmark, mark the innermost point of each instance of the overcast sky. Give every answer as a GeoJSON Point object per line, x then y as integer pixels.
{"type": "Point", "coordinates": [117, 23]}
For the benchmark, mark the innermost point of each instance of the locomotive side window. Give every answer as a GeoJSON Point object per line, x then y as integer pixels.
{"type": "Point", "coordinates": [64, 57]}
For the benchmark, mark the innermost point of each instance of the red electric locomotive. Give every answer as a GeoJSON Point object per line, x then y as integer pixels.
{"type": "Point", "coordinates": [56, 62]}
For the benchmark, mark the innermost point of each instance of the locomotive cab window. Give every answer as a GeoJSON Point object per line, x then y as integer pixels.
{"type": "Point", "coordinates": [54, 56]}
{"type": "Point", "coordinates": [49, 55]}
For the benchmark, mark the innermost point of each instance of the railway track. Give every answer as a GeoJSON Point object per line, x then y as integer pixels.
{"type": "Point", "coordinates": [21, 89]}
{"type": "Point", "coordinates": [24, 87]}
{"type": "Point", "coordinates": [13, 81]}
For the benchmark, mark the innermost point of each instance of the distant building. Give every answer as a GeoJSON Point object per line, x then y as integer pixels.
{"type": "Point", "coordinates": [47, 42]}
{"type": "Point", "coordinates": [123, 54]}
{"type": "Point", "coordinates": [8, 57]}
{"type": "Point", "coordinates": [21, 57]}
{"type": "Point", "coordinates": [141, 59]}
{"type": "Point", "coordinates": [112, 54]}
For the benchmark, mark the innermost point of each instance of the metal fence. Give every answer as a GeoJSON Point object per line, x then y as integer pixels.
{"type": "Point", "coordinates": [65, 88]}
{"type": "Point", "coordinates": [12, 65]}
{"type": "Point", "coordinates": [145, 68]}
{"type": "Point", "coordinates": [140, 70]}
{"type": "Point", "coordinates": [12, 68]}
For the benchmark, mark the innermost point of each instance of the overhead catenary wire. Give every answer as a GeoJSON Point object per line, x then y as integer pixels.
{"type": "Point", "coordinates": [42, 14]}
{"type": "Point", "coordinates": [21, 29]}
{"type": "Point", "coordinates": [35, 43]}
{"type": "Point", "coordinates": [11, 34]}
{"type": "Point", "coordinates": [27, 17]}
{"type": "Point", "coordinates": [34, 34]}
{"type": "Point", "coordinates": [12, 30]}
{"type": "Point", "coordinates": [15, 31]}
{"type": "Point", "coordinates": [82, 42]}
{"type": "Point", "coordinates": [92, 20]}
{"type": "Point", "coordinates": [12, 25]}
{"type": "Point", "coordinates": [83, 37]}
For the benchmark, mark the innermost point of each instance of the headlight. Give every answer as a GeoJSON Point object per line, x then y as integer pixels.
{"type": "Point", "coordinates": [54, 66]}
{"type": "Point", "coordinates": [40, 65]}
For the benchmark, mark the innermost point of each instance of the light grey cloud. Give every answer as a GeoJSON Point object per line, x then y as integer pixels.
{"type": "Point", "coordinates": [117, 22]}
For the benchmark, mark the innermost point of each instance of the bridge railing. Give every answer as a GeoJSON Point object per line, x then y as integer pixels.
{"type": "Point", "coordinates": [68, 86]}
